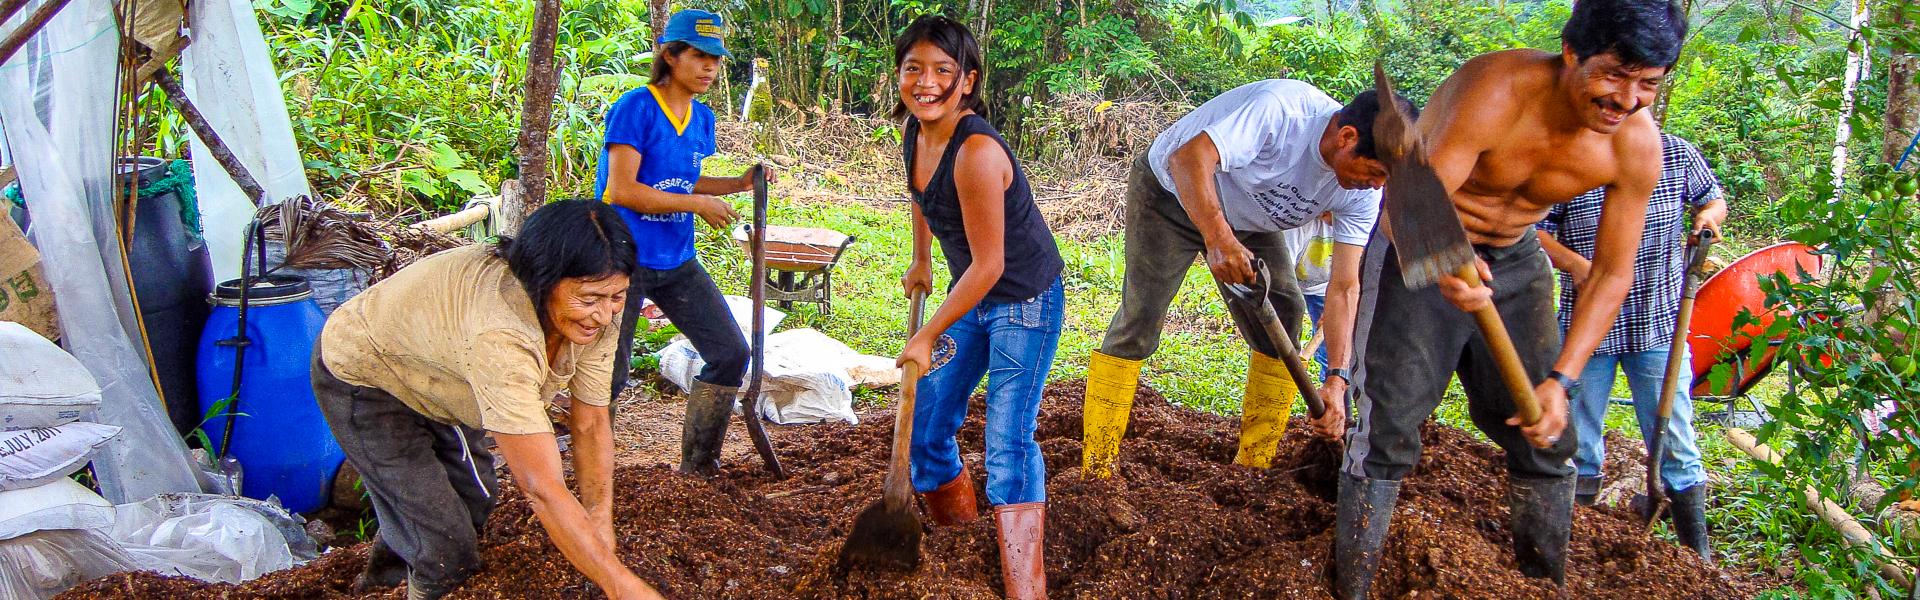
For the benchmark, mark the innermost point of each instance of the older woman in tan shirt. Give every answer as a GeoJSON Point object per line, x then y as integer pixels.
{"type": "Point", "coordinates": [414, 372]}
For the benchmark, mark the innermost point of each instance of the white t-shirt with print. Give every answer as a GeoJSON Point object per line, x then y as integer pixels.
{"type": "Point", "coordinates": [1272, 177]}
{"type": "Point", "coordinates": [1312, 248]}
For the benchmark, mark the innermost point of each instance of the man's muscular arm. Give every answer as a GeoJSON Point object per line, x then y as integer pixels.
{"type": "Point", "coordinates": [1622, 217]}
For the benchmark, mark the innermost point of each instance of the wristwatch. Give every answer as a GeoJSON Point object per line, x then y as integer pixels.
{"type": "Point", "coordinates": [1329, 374]}
{"type": "Point", "coordinates": [1566, 383]}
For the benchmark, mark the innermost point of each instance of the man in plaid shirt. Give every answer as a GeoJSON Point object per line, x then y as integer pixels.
{"type": "Point", "coordinates": [1639, 340]}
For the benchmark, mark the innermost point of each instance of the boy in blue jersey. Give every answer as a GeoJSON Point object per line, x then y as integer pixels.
{"type": "Point", "coordinates": [650, 172]}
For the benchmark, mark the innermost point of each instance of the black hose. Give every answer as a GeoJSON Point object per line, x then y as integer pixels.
{"type": "Point", "coordinates": [256, 240]}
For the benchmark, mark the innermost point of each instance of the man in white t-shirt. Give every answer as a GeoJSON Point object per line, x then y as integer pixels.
{"type": "Point", "coordinates": [1226, 180]}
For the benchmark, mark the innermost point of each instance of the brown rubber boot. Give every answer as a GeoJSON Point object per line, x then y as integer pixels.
{"type": "Point", "coordinates": [953, 502]}
{"type": "Point", "coordinates": [1023, 537]}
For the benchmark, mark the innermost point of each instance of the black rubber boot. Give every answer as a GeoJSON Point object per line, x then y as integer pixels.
{"type": "Point", "coordinates": [1689, 509]}
{"type": "Point", "coordinates": [709, 407]}
{"type": "Point", "coordinates": [1364, 512]}
{"type": "Point", "coordinates": [1542, 522]}
{"type": "Point", "coordinates": [384, 569]}
{"type": "Point", "coordinates": [1586, 490]}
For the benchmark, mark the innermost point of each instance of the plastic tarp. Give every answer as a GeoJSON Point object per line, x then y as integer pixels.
{"type": "Point", "coordinates": [809, 376]}
{"type": "Point", "coordinates": [58, 109]}
{"type": "Point", "coordinates": [229, 74]}
{"type": "Point", "coordinates": [211, 538]}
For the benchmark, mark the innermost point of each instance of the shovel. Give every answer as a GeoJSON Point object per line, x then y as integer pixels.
{"type": "Point", "coordinates": [1656, 448]}
{"type": "Point", "coordinates": [756, 429]}
{"type": "Point", "coordinates": [1252, 302]}
{"type": "Point", "coordinates": [886, 535]}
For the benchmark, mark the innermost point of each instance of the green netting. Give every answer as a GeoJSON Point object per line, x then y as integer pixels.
{"type": "Point", "coordinates": [178, 181]}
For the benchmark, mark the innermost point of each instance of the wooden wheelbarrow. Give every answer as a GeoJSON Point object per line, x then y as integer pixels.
{"type": "Point", "coordinates": [800, 263]}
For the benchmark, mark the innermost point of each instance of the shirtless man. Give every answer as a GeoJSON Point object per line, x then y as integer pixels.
{"type": "Point", "coordinates": [1509, 134]}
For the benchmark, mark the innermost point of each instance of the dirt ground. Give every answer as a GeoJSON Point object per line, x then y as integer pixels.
{"type": "Point", "coordinates": [1177, 521]}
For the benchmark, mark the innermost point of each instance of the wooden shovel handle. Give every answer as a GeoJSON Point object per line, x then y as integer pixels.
{"type": "Point", "coordinates": [1512, 371]}
{"type": "Point", "coordinates": [899, 484]}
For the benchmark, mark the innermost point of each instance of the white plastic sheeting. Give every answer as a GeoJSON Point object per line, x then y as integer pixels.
{"type": "Point", "coordinates": [211, 538]}
{"type": "Point", "coordinates": [229, 75]}
{"type": "Point", "coordinates": [58, 109]}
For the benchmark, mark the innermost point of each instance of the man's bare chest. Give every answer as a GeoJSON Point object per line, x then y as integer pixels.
{"type": "Point", "coordinates": [1541, 175]}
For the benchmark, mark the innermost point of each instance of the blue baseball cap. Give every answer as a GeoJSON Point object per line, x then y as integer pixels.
{"type": "Point", "coordinates": [698, 28]}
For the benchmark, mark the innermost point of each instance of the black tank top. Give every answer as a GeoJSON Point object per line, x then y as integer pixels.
{"type": "Point", "coordinates": [1032, 260]}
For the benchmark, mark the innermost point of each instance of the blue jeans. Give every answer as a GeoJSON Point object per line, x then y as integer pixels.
{"type": "Point", "coordinates": [1680, 469]}
{"type": "Point", "coordinates": [1315, 306]}
{"type": "Point", "coordinates": [1011, 345]}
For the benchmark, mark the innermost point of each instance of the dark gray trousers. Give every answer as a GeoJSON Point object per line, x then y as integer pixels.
{"type": "Point", "coordinates": [432, 484]}
{"type": "Point", "coordinates": [1161, 244]}
{"type": "Point", "coordinates": [1414, 341]}
{"type": "Point", "coordinates": [696, 307]}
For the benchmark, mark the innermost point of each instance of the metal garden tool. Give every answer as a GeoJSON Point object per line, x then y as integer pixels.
{"type": "Point", "coordinates": [1676, 354]}
{"type": "Point", "coordinates": [886, 534]}
{"type": "Point", "coordinates": [1251, 304]}
{"type": "Point", "coordinates": [756, 429]}
{"type": "Point", "coordinates": [1431, 242]}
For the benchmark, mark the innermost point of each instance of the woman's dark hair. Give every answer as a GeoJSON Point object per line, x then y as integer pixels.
{"type": "Point", "coordinates": [952, 38]}
{"type": "Point", "coordinates": [661, 70]}
{"type": "Point", "coordinates": [1359, 115]}
{"type": "Point", "coordinates": [567, 239]}
{"type": "Point", "coordinates": [1643, 33]}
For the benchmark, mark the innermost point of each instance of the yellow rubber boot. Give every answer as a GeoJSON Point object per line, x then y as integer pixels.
{"type": "Point", "coordinates": [1111, 383]}
{"type": "Point", "coordinates": [1265, 409]}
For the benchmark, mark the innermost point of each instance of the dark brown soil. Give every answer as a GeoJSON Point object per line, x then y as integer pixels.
{"type": "Point", "coordinates": [1177, 521]}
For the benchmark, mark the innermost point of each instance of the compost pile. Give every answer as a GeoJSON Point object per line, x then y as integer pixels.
{"type": "Point", "coordinates": [1177, 520]}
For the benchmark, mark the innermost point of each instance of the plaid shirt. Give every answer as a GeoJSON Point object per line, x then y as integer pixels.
{"type": "Point", "coordinates": [1647, 316]}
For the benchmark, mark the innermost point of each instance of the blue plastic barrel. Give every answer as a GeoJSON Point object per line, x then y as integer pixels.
{"type": "Point", "coordinates": [279, 436]}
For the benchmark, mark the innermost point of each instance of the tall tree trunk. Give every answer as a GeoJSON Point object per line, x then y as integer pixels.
{"type": "Point", "coordinates": [657, 15]}
{"type": "Point", "coordinates": [1856, 66]}
{"type": "Point", "coordinates": [1903, 97]}
{"type": "Point", "coordinates": [536, 114]}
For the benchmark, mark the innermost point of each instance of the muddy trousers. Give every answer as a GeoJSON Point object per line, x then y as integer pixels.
{"type": "Point", "coordinates": [432, 484]}
{"type": "Point", "coordinates": [1161, 244]}
{"type": "Point", "coordinates": [1424, 340]}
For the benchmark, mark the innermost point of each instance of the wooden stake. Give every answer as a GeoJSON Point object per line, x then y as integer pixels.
{"type": "Point", "coordinates": [198, 122]}
{"type": "Point", "coordinates": [8, 7]}
{"type": "Point", "coordinates": [27, 30]}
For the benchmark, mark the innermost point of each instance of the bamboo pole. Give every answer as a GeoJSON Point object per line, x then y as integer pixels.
{"type": "Point", "coordinates": [1835, 516]}
{"type": "Point", "coordinates": [445, 223]}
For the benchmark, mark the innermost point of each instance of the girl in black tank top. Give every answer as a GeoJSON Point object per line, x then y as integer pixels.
{"type": "Point", "coordinates": [1003, 310]}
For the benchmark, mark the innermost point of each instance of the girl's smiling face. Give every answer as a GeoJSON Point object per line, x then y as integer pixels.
{"type": "Point", "coordinates": [931, 84]}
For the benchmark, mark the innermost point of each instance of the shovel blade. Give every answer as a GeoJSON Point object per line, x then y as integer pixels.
{"type": "Point", "coordinates": [1427, 234]}
{"type": "Point", "coordinates": [883, 539]}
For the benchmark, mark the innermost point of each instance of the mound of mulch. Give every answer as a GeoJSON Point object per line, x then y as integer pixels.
{"type": "Point", "coordinates": [1177, 521]}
